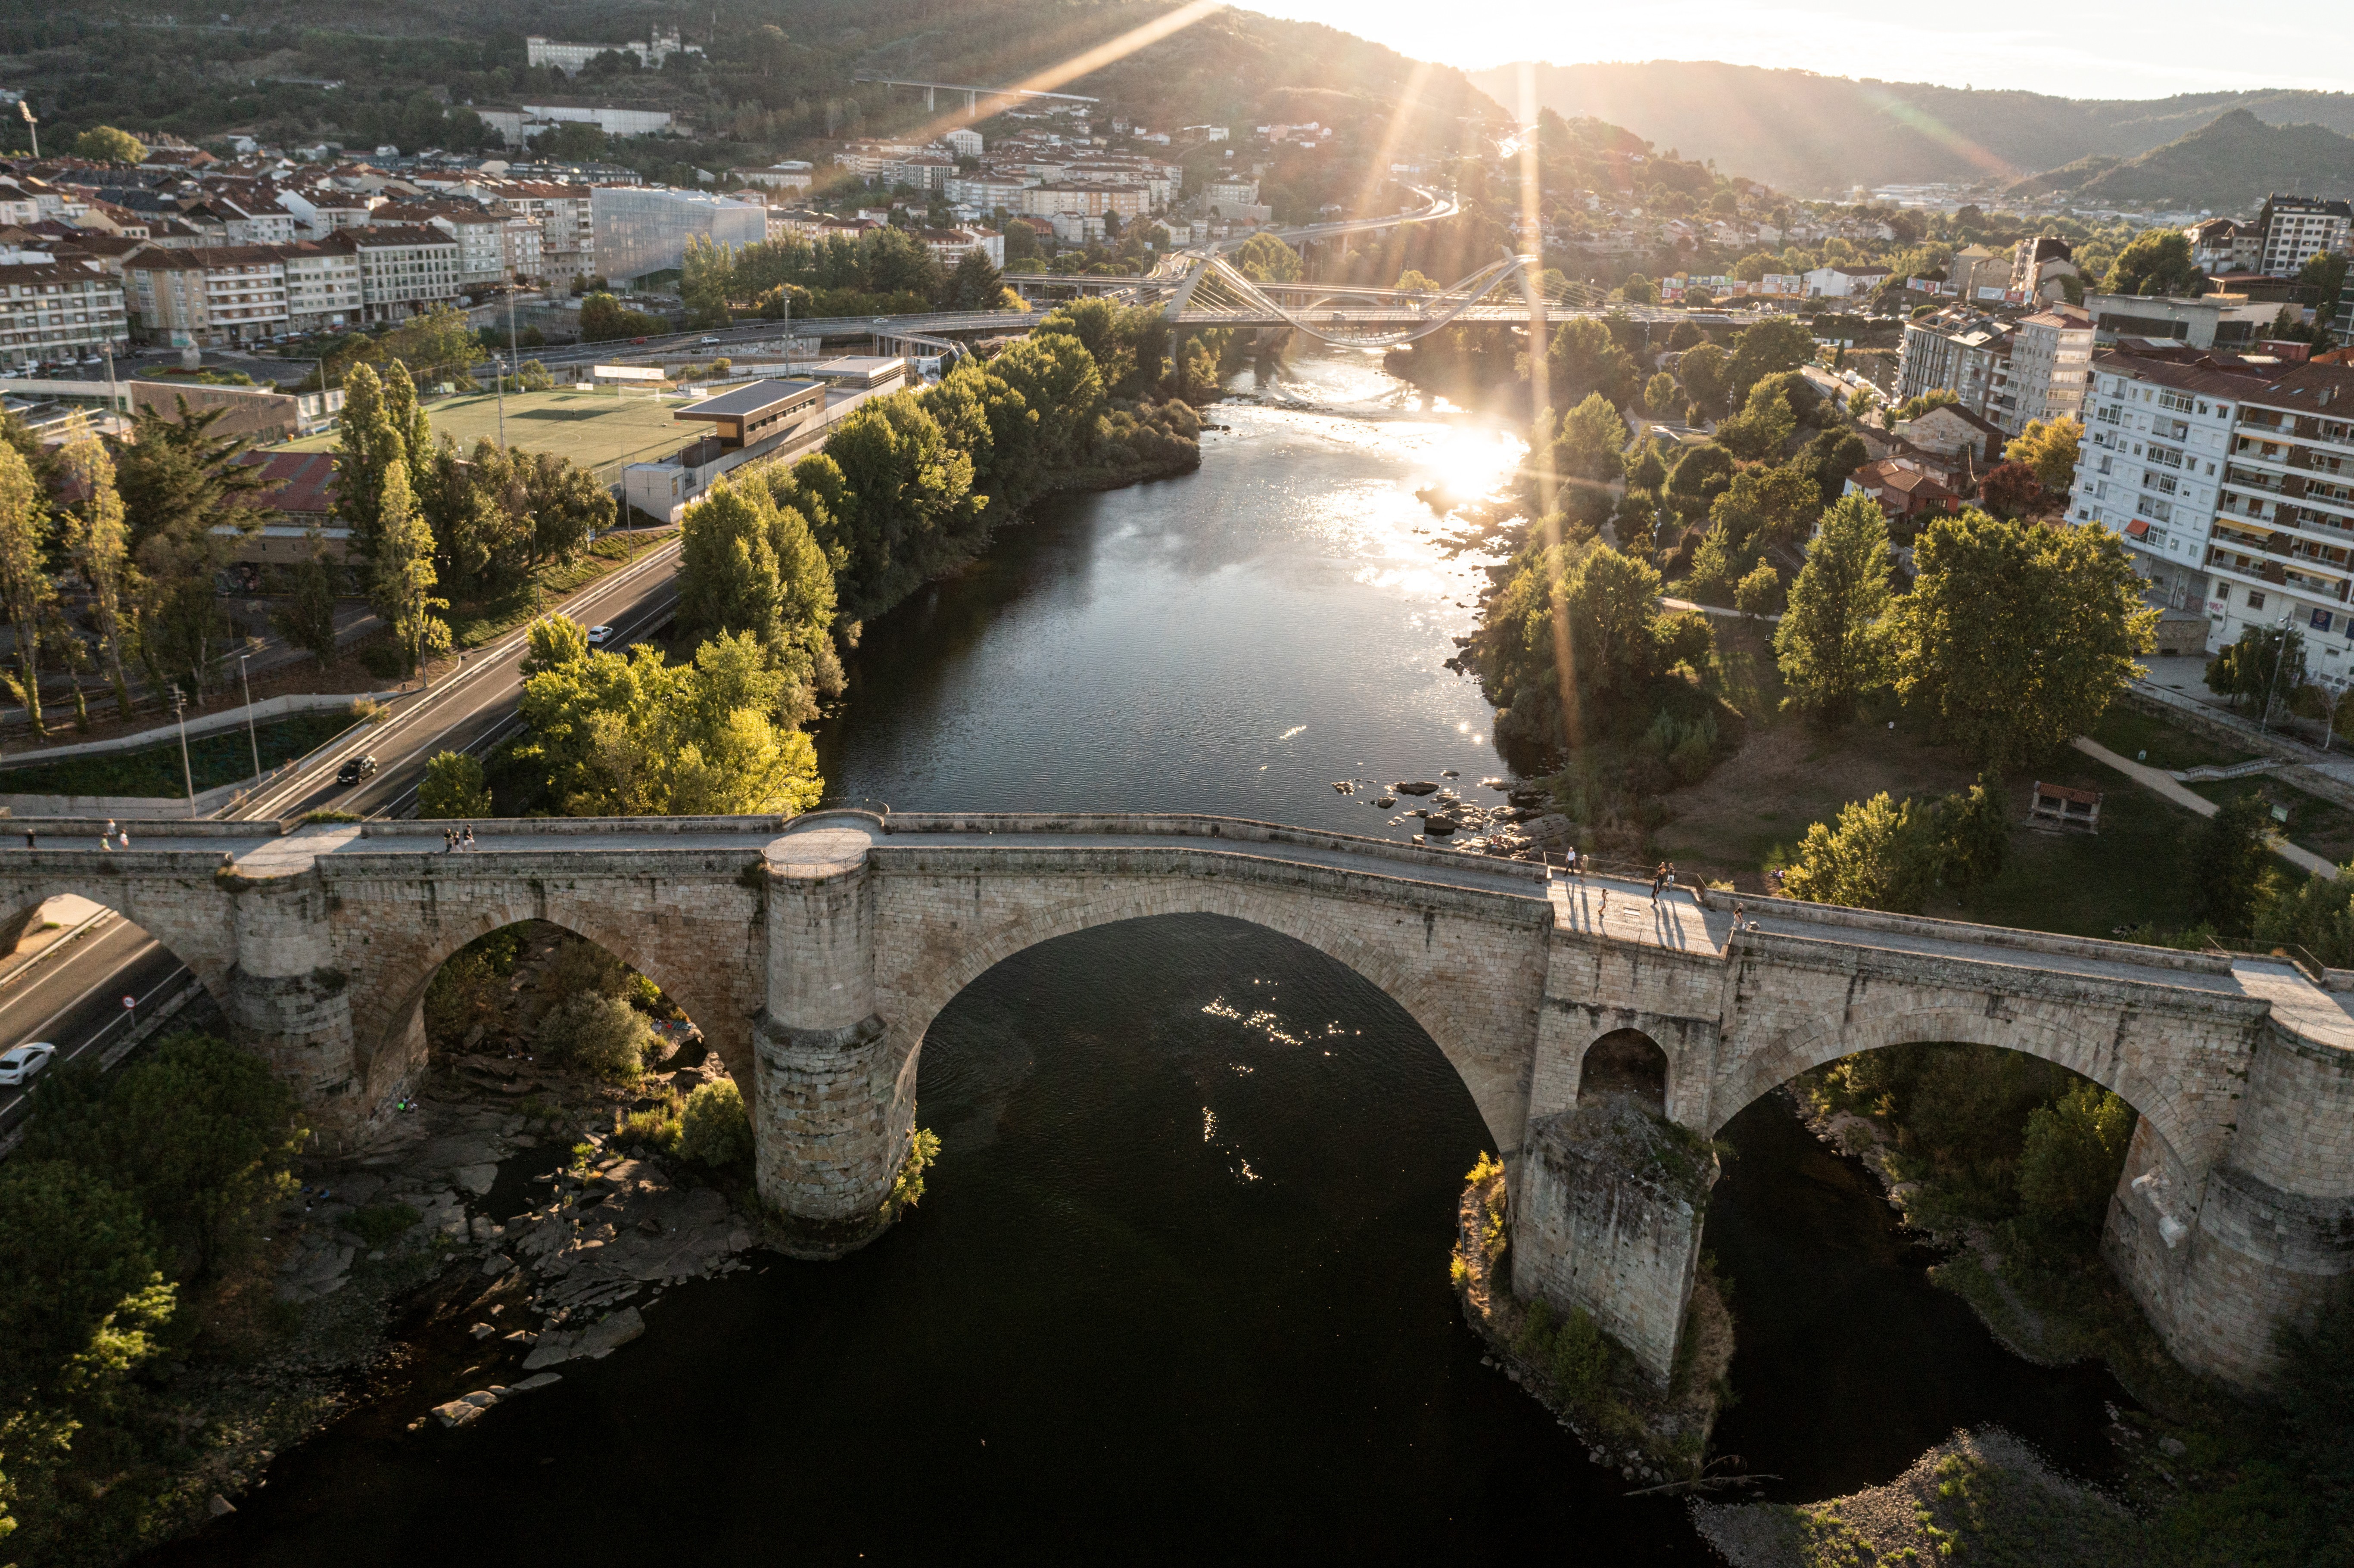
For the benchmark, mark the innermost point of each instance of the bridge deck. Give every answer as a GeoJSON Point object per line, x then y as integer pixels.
{"type": "Point", "coordinates": [1618, 910]}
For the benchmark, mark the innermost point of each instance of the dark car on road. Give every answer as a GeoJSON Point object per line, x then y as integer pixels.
{"type": "Point", "coordinates": [356, 769]}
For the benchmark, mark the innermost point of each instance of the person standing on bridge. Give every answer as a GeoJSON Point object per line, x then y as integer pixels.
{"type": "Point", "coordinates": [28, 838]}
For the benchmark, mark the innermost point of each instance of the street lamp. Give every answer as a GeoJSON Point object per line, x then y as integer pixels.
{"type": "Point", "coordinates": [187, 774]}
{"type": "Point", "coordinates": [2265, 719]}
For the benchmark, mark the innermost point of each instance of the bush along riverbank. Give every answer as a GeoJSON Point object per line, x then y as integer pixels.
{"type": "Point", "coordinates": [1656, 1438]}
{"type": "Point", "coordinates": [2007, 1163]}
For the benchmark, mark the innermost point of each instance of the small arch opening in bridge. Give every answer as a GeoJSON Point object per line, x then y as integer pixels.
{"type": "Point", "coordinates": [1626, 1062]}
{"type": "Point", "coordinates": [539, 1016]}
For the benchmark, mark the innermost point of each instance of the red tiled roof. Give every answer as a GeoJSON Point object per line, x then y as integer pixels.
{"type": "Point", "coordinates": [301, 484]}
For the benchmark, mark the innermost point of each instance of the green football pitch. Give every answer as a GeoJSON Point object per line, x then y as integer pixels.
{"type": "Point", "coordinates": [599, 430]}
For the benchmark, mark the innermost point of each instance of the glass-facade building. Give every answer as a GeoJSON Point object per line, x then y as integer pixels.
{"type": "Point", "coordinates": [642, 230]}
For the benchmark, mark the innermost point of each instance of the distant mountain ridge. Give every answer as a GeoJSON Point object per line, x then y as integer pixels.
{"type": "Point", "coordinates": [1818, 135]}
{"type": "Point", "coordinates": [2229, 165]}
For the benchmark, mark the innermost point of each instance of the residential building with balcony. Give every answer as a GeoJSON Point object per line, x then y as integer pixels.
{"type": "Point", "coordinates": [322, 287]}
{"type": "Point", "coordinates": [2051, 359]}
{"type": "Point", "coordinates": [209, 297]}
{"type": "Point", "coordinates": [1957, 350]}
{"type": "Point", "coordinates": [2219, 245]}
{"type": "Point", "coordinates": [2297, 228]}
{"type": "Point", "coordinates": [2232, 483]}
{"type": "Point", "coordinates": [57, 311]}
{"type": "Point", "coordinates": [2227, 322]}
{"type": "Point", "coordinates": [479, 234]}
{"type": "Point", "coordinates": [404, 270]}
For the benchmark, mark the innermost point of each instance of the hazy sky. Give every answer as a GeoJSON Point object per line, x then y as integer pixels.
{"type": "Point", "coordinates": [2149, 48]}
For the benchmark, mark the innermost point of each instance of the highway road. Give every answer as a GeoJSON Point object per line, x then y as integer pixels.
{"type": "Point", "coordinates": [70, 995]}
{"type": "Point", "coordinates": [472, 709]}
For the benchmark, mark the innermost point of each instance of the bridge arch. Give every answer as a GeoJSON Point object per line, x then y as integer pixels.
{"type": "Point", "coordinates": [1806, 1047]}
{"type": "Point", "coordinates": [191, 930]}
{"type": "Point", "coordinates": [1432, 992]}
{"type": "Point", "coordinates": [1626, 1061]}
{"type": "Point", "coordinates": [702, 990]}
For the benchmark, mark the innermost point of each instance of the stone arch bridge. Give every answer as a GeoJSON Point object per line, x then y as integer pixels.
{"type": "Point", "coordinates": [815, 952]}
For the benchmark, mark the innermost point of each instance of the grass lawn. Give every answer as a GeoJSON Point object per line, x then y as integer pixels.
{"type": "Point", "coordinates": [474, 622]}
{"type": "Point", "coordinates": [2322, 826]}
{"type": "Point", "coordinates": [224, 757]}
{"type": "Point", "coordinates": [599, 430]}
{"type": "Point", "coordinates": [2129, 732]}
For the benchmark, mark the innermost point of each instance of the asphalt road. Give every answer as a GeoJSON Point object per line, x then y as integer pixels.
{"type": "Point", "coordinates": [72, 996]}
{"type": "Point", "coordinates": [471, 710]}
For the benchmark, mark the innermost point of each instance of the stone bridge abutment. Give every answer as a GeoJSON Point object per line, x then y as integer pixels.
{"type": "Point", "coordinates": [815, 954]}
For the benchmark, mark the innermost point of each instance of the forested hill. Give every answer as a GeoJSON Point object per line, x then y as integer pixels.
{"type": "Point", "coordinates": [1819, 134]}
{"type": "Point", "coordinates": [2228, 166]}
{"type": "Point", "coordinates": [774, 76]}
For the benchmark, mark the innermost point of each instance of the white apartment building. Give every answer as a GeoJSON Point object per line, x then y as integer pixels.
{"type": "Point", "coordinates": [1956, 350]}
{"type": "Point", "coordinates": [54, 310]}
{"type": "Point", "coordinates": [988, 192]}
{"type": "Point", "coordinates": [523, 249]}
{"type": "Point", "coordinates": [2233, 486]}
{"type": "Point", "coordinates": [404, 270]}
{"type": "Point", "coordinates": [2294, 227]}
{"type": "Point", "coordinates": [479, 234]}
{"type": "Point", "coordinates": [1123, 202]}
{"type": "Point", "coordinates": [951, 246]}
{"type": "Point", "coordinates": [320, 210]}
{"type": "Point", "coordinates": [792, 175]}
{"type": "Point", "coordinates": [2051, 360]}
{"type": "Point", "coordinates": [568, 229]}
{"type": "Point", "coordinates": [322, 287]}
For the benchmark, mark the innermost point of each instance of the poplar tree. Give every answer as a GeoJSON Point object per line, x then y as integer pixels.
{"type": "Point", "coordinates": [100, 544]}
{"type": "Point", "coordinates": [26, 591]}
{"type": "Point", "coordinates": [405, 578]}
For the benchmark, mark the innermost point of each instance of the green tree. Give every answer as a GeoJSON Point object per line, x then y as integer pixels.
{"type": "Point", "coordinates": [1266, 258]}
{"type": "Point", "coordinates": [1831, 644]}
{"type": "Point", "coordinates": [1706, 373]}
{"type": "Point", "coordinates": [1057, 382]}
{"type": "Point", "coordinates": [1585, 361]}
{"type": "Point", "coordinates": [714, 1127]}
{"type": "Point", "coordinates": [1759, 591]}
{"type": "Point", "coordinates": [1662, 398]}
{"type": "Point", "coordinates": [1701, 474]}
{"type": "Point", "coordinates": [641, 737]}
{"type": "Point", "coordinates": [1770, 348]}
{"type": "Point", "coordinates": [452, 787]}
{"type": "Point", "coordinates": [1831, 456]}
{"type": "Point", "coordinates": [2228, 863]}
{"type": "Point", "coordinates": [2049, 451]}
{"type": "Point", "coordinates": [308, 620]}
{"type": "Point", "coordinates": [405, 578]}
{"type": "Point", "coordinates": [2266, 662]}
{"type": "Point", "coordinates": [1764, 506]}
{"type": "Point", "coordinates": [748, 565]}
{"type": "Point", "coordinates": [602, 1034]}
{"type": "Point", "coordinates": [2074, 1150]}
{"type": "Point", "coordinates": [2016, 636]}
{"type": "Point", "coordinates": [72, 1246]}
{"type": "Point", "coordinates": [2157, 261]}
{"type": "Point", "coordinates": [98, 543]}
{"type": "Point", "coordinates": [1586, 458]}
{"type": "Point", "coordinates": [706, 282]}
{"type": "Point", "coordinates": [105, 145]}
{"type": "Point", "coordinates": [200, 1132]}
{"type": "Point", "coordinates": [1873, 858]}
{"type": "Point", "coordinates": [1764, 423]}
{"type": "Point", "coordinates": [973, 284]}
{"type": "Point", "coordinates": [908, 510]}
{"type": "Point", "coordinates": [27, 593]}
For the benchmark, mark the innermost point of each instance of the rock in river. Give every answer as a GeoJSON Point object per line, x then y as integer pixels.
{"type": "Point", "coordinates": [1418, 787]}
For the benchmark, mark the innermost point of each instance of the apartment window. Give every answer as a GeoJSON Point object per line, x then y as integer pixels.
{"type": "Point", "coordinates": [2174, 400]}
{"type": "Point", "coordinates": [2255, 600]}
{"type": "Point", "coordinates": [2321, 620]}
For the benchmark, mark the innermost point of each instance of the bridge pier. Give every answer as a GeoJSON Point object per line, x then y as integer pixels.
{"type": "Point", "coordinates": [288, 1002]}
{"type": "Point", "coordinates": [830, 1124]}
{"type": "Point", "coordinates": [2218, 1262]}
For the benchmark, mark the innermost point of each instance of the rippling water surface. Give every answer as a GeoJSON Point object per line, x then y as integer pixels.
{"type": "Point", "coordinates": [1178, 1291]}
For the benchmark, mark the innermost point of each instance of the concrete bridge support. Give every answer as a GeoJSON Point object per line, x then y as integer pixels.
{"type": "Point", "coordinates": [831, 1119]}
{"type": "Point", "coordinates": [293, 1009]}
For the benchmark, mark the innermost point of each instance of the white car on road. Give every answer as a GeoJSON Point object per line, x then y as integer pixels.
{"type": "Point", "coordinates": [19, 1063]}
{"type": "Point", "coordinates": [599, 635]}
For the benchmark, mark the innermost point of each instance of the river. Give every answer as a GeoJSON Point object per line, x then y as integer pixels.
{"type": "Point", "coordinates": [1178, 1289]}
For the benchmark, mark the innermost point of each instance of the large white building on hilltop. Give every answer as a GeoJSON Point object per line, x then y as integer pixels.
{"type": "Point", "coordinates": [2232, 483]}
{"type": "Point", "coordinates": [569, 58]}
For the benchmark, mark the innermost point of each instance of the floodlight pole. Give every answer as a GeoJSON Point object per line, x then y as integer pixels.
{"type": "Point", "coordinates": [187, 774]}
{"type": "Point", "coordinates": [251, 737]}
